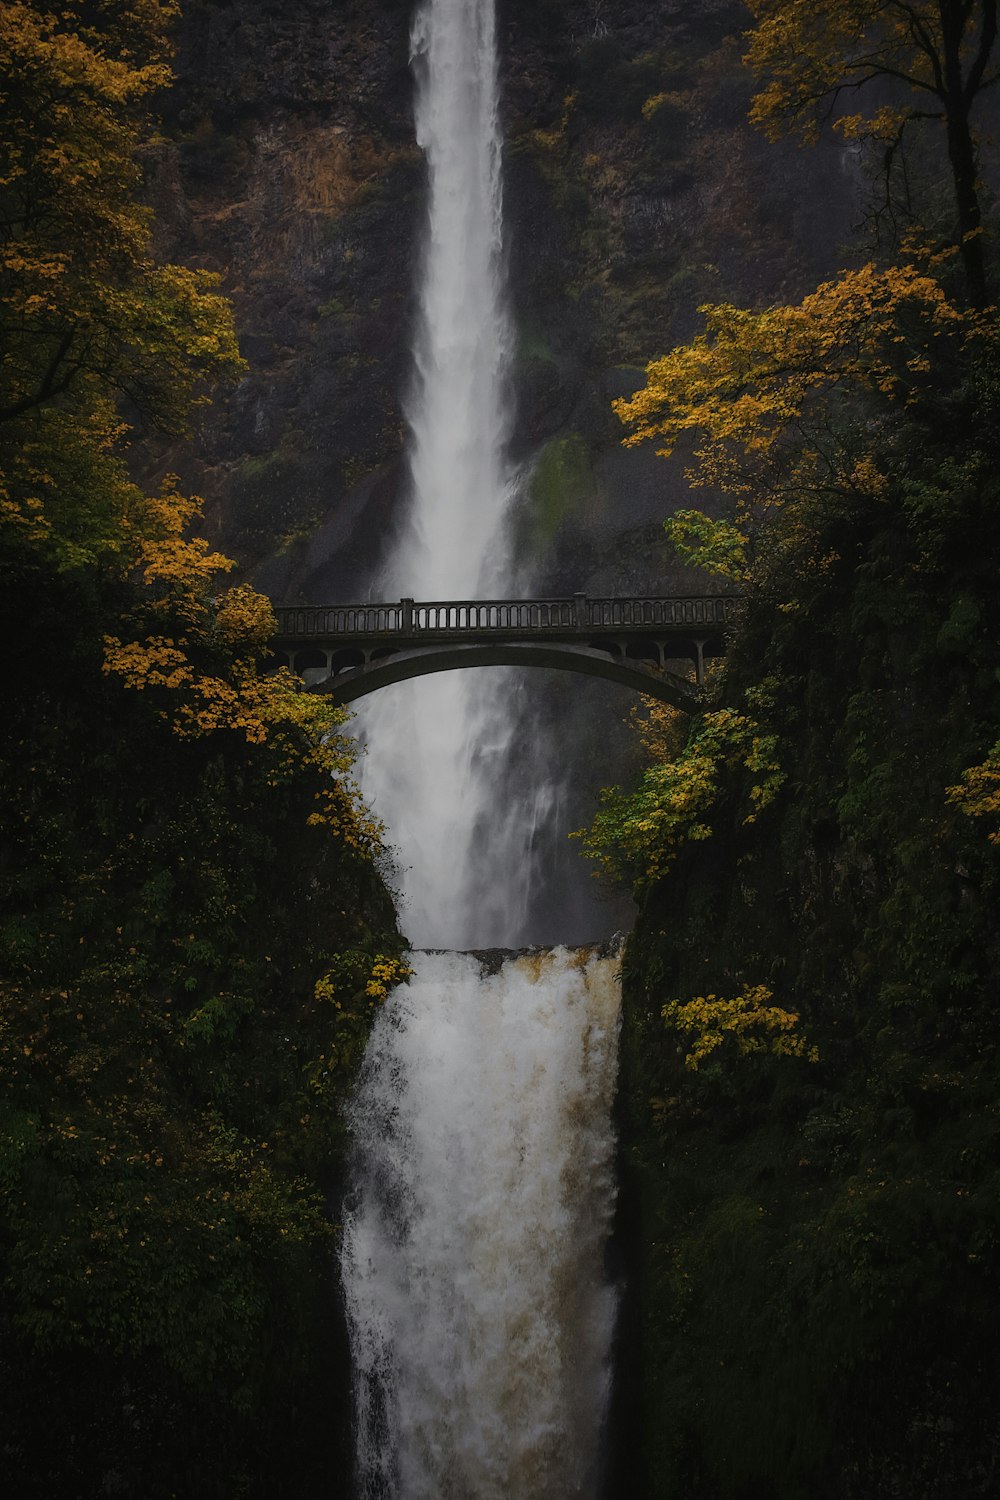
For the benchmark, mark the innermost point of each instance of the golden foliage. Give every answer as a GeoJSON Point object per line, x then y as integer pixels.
{"type": "Point", "coordinates": [82, 303]}
{"type": "Point", "coordinates": [741, 383]}
{"type": "Point", "coordinates": [660, 728]}
{"type": "Point", "coordinates": [244, 620]}
{"type": "Point", "coordinates": [300, 729]}
{"type": "Point", "coordinates": [89, 318]}
{"type": "Point", "coordinates": [935, 57]}
{"type": "Point", "coordinates": [978, 793]}
{"type": "Point", "coordinates": [169, 561]}
{"type": "Point", "coordinates": [383, 973]}
{"type": "Point", "coordinates": [770, 402]}
{"type": "Point", "coordinates": [750, 1020]}
{"type": "Point", "coordinates": [204, 664]}
{"type": "Point", "coordinates": [809, 51]}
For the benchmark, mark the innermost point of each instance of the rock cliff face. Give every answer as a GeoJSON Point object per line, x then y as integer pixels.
{"type": "Point", "coordinates": [634, 191]}
{"type": "Point", "coordinates": [288, 167]}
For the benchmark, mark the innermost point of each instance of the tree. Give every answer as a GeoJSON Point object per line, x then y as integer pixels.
{"type": "Point", "coordinates": [81, 299]}
{"type": "Point", "coordinates": [90, 325]}
{"type": "Point", "coordinates": [639, 834]}
{"type": "Point", "coordinates": [784, 405]}
{"type": "Point", "coordinates": [936, 57]}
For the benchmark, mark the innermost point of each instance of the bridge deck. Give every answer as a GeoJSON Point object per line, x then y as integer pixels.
{"type": "Point", "coordinates": [523, 619]}
{"type": "Point", "coordinates": [353, 649]}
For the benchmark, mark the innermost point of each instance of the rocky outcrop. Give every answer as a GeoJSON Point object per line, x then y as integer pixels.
{"type": "Point", "coordinates": [288, 168]}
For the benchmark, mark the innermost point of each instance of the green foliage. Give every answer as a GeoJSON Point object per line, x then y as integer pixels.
{"type": "Point", "coordinates": [172, 1089]}
{"type": "Point", "coordinates": [819, 1243]}
{"type": "Point", "coordinates": [639, 834]}
{"type": "Point", "coordinates": [611, 86]}
{"type": "Point", "coordinates": [183, 859]}
{"type": "Point", "coordinates": [715, 546]}
{"type": "Point", "coordinates": [562, 482]}
{"type": "Point", "coordinates": [821, 1240]}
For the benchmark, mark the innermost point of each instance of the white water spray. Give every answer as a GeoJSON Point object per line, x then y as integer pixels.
{"type": "Point", "coordinates": [438, 743]}
{"type": "Point", "coordinates": [474, 1267]}
{"type": "Point", "coordinates": [472, 1260]}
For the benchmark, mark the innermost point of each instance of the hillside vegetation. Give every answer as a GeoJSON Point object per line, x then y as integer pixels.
{"type": "Point", "coordinates": [193, 932]}
{"type": "Point", "coordinates": [811, 1088]}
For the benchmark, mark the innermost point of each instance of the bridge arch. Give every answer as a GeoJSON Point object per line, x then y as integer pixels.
{"type": "Point", "coordinates": [353, 683]}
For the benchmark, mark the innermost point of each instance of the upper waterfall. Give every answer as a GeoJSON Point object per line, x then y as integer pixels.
{"type": "Point", "coordinates": [457, 408]}
{"type": "Point", "coordinates": [438, 748]}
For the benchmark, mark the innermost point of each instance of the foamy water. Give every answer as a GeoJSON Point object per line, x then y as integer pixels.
{"type": "Point", "coordinates": [474, 1250]}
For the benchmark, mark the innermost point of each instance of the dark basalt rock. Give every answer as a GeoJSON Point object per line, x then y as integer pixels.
{"type": "Point", "coordinates": [289, 167]}
{"type": "Point", "coordinates": [492, 960]}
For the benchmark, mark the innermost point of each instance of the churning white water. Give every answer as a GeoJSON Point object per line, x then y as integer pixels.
{"type": "Point", "coordinates": [481, 1318]}
{"type": "Point", "coordinates": [473, 1242]}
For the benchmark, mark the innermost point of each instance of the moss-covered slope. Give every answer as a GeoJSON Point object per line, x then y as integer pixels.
{"type": "Point", "coordinates": [814, 1291]}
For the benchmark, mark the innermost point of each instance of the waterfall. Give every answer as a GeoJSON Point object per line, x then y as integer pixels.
{"type": "Point", "coordinates": [473, 1268]}
{"type": "Point", "coordinates": [437, 744]}
{"type": "Point", "coordinates": [473, 1239]}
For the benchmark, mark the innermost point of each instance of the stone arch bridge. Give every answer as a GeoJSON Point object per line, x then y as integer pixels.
{"type": "Point", "coordinates": [349, 650]}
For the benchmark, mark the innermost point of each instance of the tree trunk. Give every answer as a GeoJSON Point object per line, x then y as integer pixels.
{"type": "Point", "coordinates": [962, 155]}
{"type": "Point", "coordinates": [957, 97]}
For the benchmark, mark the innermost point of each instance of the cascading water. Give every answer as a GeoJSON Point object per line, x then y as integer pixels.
{"type": "Point", "coordinates": [436, 744]}
{"type": "Point", "coordinates": [473, 1267]}
{"type": "Point", "coordinates": [473, 1245]}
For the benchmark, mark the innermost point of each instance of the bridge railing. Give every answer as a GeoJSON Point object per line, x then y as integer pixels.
{"type": "Point", "coordinates": [493, 615]}
{"type": "Point", "coordinates": [710, 609]}
{"type": "Point", "coordinates": [504, 616]}
{"type": "Point", "coordinates": [304, 621]}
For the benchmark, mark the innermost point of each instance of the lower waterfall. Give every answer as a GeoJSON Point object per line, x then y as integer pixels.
{"type": "Point", "coordinates": [473, 1251]}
